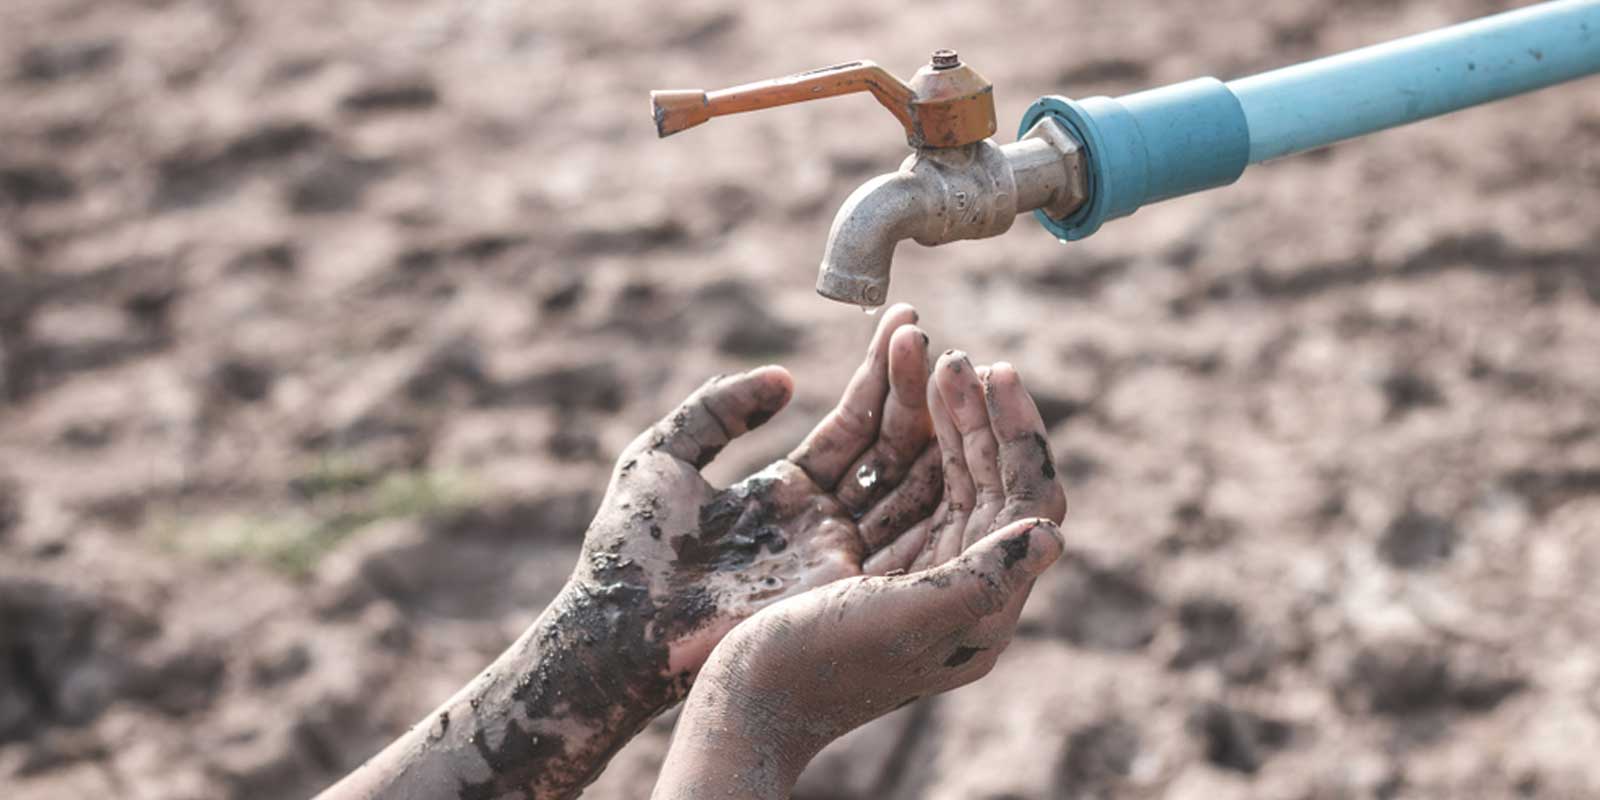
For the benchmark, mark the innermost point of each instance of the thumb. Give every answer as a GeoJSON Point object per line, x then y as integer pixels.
{"type": "Point", "coordinates": [997, 571]}
{"type": "Point", "coordinates": [723, 409]}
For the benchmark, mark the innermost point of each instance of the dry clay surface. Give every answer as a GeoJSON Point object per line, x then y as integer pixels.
{"type": "Point", "coordinates": [321, 322]}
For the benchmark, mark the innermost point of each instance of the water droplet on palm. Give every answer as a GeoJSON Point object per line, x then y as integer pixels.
{"type": "Point", "coordinates": [867, 476]}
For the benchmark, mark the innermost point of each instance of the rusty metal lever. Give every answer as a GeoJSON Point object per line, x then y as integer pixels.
{"type": "Point", "coordinates": [946, 104]}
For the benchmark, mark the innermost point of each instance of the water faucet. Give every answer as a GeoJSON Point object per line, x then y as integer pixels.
{"type": "Point", "coordinates": [957, 184]}
{"type": "Point", "coordinates": [1080, 163]}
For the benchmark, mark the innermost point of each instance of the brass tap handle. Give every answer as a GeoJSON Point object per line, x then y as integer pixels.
{"type": "Point", "coordinates": [677, 109]}
{"type": "Point", "coordinates": [947, 104]}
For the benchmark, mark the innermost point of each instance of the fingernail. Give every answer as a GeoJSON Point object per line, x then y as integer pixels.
{"type": "Point", "coordinates": [1049, 527]}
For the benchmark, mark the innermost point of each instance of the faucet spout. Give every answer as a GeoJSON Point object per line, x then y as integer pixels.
{"type": "Point", "coordinates": [876, 216]}
{"type": "Point", "coordinates": [947, 194]}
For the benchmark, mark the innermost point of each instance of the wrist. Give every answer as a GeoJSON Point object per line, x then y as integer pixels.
{"type": "Point", "coordinates": [736, 737]}
{"type": "Point", "coordinates": [547, 716]}
{"type": "Point", "coordinates": [602, 632]}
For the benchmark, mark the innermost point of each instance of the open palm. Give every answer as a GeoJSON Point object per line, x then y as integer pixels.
{"type": "Point", "coordinates": [865, 476]}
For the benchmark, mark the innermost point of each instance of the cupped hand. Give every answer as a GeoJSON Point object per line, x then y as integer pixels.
{"type": "Point", "coordinates": [697, 560]}
{"type": "Point", "coordinates": [811, 668]}
{"type": "Point", "coordinates": [996, 464]}
{"type": "Point", "coordinates": [815, 667]}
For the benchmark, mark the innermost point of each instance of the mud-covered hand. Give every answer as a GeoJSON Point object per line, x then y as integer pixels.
{"type": "Point", "coordinates": [696, 560]}
{"type": "Point", "coordinates": [813, 668]}
{"type": "Point", "coordinates": [810, 669]}
{"type": "Point", "coordinates": [669, 566]}
{"type": "Point", "coordinates": [997, 466]}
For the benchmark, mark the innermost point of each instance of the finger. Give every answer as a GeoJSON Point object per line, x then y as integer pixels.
{"type": "Point", "coordinates": [930, 547]}
{"type": "Point", "coordinates": [909, 503]}
{"type": "Point", "coordinates": [906, 426]}
{"type": "Point", "coordinates": [960, 494]}
{"type": "Point", "coordinates": [850, 428]}
{"type": "Point", "coordinates": [962, 393]}
{"type": "Point", "coordinates": [950, 540]}
{"type": "Point", "coordinates": [958, 481]}
{"type": "Point", "coordinates": [991, 577]}
{"type": "Point", "coordinates": [1026, 468]}
{"type": "Point", "coordinates": [722, 409]}
{"type": "Point", "coordinates": [900, 555]}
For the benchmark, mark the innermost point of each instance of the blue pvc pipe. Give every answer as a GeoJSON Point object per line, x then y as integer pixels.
{"type": "Point", "coordinates": [1146, 147]}
{"type": "Point", "coordinates": [1320, 102]}
{"type": "Point", "coordinates": [1188, 137]}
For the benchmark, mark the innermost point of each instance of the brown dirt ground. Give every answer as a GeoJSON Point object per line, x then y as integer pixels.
{"type": "Point", "coordinates": [319, 323]}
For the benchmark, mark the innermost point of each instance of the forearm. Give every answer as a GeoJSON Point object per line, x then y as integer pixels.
{"type": "Point", "coordinates": [543, 720]}
{"type": "Point", "coordinates": [728, 744]}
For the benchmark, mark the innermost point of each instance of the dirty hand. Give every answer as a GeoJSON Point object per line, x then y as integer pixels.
{"type": "Point", "coordinates": [697, 560]}
{"type": "Point", "coordinates": [810, 669]}
{"type": "Point", "coordinates": [669, 565]}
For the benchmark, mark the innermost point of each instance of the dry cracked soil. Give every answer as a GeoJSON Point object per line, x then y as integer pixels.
{"type": "Point", "coordinates": [320, 323]}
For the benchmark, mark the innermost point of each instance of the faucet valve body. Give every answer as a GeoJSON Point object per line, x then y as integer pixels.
{"type": "Point", "coordinates": [958, 184]}
{"type": "Point", "coordinates": [943, 195]}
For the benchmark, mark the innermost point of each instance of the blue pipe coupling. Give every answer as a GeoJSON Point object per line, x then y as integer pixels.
{"type": "Point", "coordinates": [1146, 147]}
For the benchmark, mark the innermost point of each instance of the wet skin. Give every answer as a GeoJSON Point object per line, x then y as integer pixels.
{"type": "Point", "coordinates": [804, 672]}
{"type": "Point", "coordinates": [671, 564]}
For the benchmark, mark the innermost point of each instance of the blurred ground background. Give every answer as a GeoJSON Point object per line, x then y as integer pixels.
{"type": "Point", "coordinates": [320, 323]}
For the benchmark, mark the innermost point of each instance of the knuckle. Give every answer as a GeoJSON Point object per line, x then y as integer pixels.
{"type": "Point", "coordinates": [985, 448]}
{"type": "Point", "coordinates": [709, 413]}
{"type": "Point", "coordinates": [1013, 511]}
{"type": "Point", "coordinates": [1056, 508]}
{"type": "Point", "coordinates": [984, 595]}
{"type": "Point", "coordinates": [1020, 491]}
{"type": "Point", "coordinates": [853, 422]}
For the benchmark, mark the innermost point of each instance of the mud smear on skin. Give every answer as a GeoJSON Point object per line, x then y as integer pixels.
{"type": "Point", "coordinates": [769, 401]}
{"type": "Point", "coordinates": [707, 455]}
{"type": "Point", "coordinates": [611, 626]}
{"type": "Point", "coordinates": [929, 483]}
{"type": "Point", "coordinates": [1049, 464]}
{"type": "Point", "coordinates": [757, 419]}
{"type": "Point", "coordinates": [680, 422]}
{"type": "Point", "coordinates": [593, 633]}
{"type": "Point", "coordinates": [1015, 548]}
{"type": "Point", "coordinates": [733, 529]}
{"type": "Point", "coordinates": [962, 655]}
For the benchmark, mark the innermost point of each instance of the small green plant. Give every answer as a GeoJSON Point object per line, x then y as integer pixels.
{"type": "Point", "coordinates": [340, 498]}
